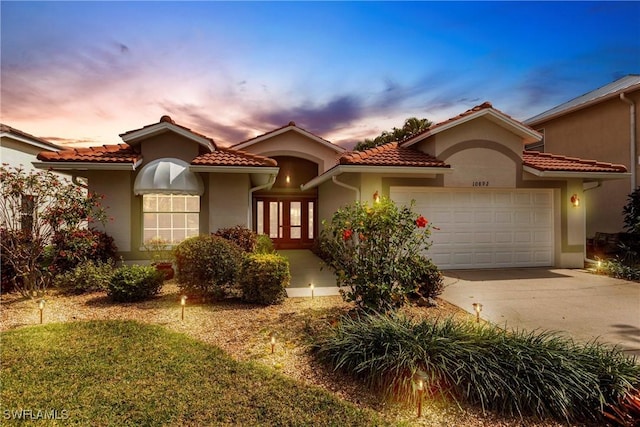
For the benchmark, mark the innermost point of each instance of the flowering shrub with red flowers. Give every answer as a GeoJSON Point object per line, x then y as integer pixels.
{"type": "Point", "coordinates": [69, 248]}
{"type": "Point", "coordinates": [34, 207]}
{"type": "Point", "coordinates": [379, 253]}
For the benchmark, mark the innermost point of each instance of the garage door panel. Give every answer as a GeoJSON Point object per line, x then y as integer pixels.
{"type": "Point", "coordinates": [486, 228]}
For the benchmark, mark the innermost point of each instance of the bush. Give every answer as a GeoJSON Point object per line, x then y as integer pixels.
{"type": "Point", "coordinates": [264, 245]}
{"type": "Point", "coordinates": [264, 278]}
{"type": "Point", "coordinates": [207, 266]}
{"type": "Point", "coordinates": [132, 283]}
{"type": "Point", "coordinates": [377, 252]}
{"type": "Point", "coordinates": [514, 373]}
{"type": "Point", "coordinates": [241, 236]}
{"type": "Point", "coordinates": [71, 247]}
{"type": "Point", "coordinates": [88, 276]}
{"type": "Point", "coordinates": [631, 212]}
{"type": "Point", "coordinates": [427, 281]}
{"type": "Point", "coordinates": [620, 270]}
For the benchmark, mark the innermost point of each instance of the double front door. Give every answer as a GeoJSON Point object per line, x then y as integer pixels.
{"type": "Point", "coordinates": [290, 222]}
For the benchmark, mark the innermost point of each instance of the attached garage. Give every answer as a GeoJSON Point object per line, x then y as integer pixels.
{"type": "Point", "coordinates": [485, 228]}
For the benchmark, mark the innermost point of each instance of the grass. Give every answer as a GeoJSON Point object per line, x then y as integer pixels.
{"type": "Point", "coordinates": [517, 373]}
{"type": "Point", "coordinates": [122, 373]}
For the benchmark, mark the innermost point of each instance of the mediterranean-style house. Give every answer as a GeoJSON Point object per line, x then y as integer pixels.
{"type": "Point", "coordinates": [601, 124]}
{"type": "Point", "coordinates": [495, 205]}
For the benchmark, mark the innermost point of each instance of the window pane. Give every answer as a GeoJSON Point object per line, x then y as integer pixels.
{"type": "Point", "coordinates": [280, 221]}
{"type": "Point", "coordinates": [295, 210]}
{"type": "Point", "coordinates": [150, 220]}
{"type": "Point", "coordinates": [164, 203]}
{"type": "Point", "coordinates": [164, 220]}
{"type": "Point", "coordinates": [165, 235]}
{"type": "Point", "coordinates": [149, 202]}
{"type": "Point", "coordinates": [193, 203]}
{"type": "Point", "coordinates": [179, 204]}
{"type": "Point", "coordinates": [260, 217]}
{"type": "Point", "coordinates": [273, 219]}
{"type": "Point", "coordinates": [310, 220]}
{"type": "Point", "coordinates": [179, 236]}
{"type": "Point", "coordinates": [192, 221]}
{"type": "Point", "coordinates": [179, 220]}
{"type": "Point", "coordinates": [296, 232]}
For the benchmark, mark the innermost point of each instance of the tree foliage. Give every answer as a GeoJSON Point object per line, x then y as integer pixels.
{"type": "Point", "coordinates": [631, 212]}
{"type": "Point", "coordinates": [377, 253]}
{"type": "Point", "coordinates": [411, 127]}
{"type": "Point", "coordinates": [34, 207]}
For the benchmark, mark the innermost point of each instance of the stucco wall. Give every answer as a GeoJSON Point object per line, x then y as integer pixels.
{"type": "Point", "coordinates": [228, 200]}
{"type": "Point", "coordinates": [169, 145]}
{"type": "Point", "coordinates": [600, 132]}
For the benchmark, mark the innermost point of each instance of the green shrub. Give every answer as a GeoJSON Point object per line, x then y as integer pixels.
{"type": "Point", "coordinates": [264, 278]}
{"type": "Point", "coordinates": [207, 266]}
{"type": "Point", "coordinates": [514, 373]}
{"type": "Point", "coordinates": [71, 247]}
{"type": "Point", "coordinates": [426, 279]}
{"type": "Point", "coordinates": [241, 236]}
{"type": "Point", "coordinates": [631, 212]}
{"type": "Point", "coordinates": [88, 276]}
{"type": "Point", "coordinates": [135, 283]}
{"type": "Point", "coordinates": [264, 245]}
{"type": "Point", "coordinates": [620, 270]}
{"type": "Point", "coordinates": [377, 253]}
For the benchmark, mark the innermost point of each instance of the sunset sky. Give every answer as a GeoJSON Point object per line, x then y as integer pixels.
{"type": "Point", "coordinates": [83, 72]}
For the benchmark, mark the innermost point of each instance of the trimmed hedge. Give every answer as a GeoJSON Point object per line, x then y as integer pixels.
{"type": "Point", "coordinates": [243, 237]}
{"type": "Point", "coordinates": [207, 266]}
{"type": "Point", "coordinates": [88, 276]}
{"type": "Point", "coordinates": [264, 278]}
{"type": "Point", "coordinates": [135, 283]}
{"type": "Point", "coordinates": [514, 373]}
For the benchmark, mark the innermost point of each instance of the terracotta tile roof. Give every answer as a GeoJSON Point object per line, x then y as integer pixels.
{"type": "Point", "coordinates": [230, 157]}
{"type": "Point", "coordinates": [168, 119]}
{"type": "Point", "coordinates": [290, 124]}
{"type": "Point", "coordinates": [391, 154]}
{"type": "Point", "coordinates": [120, 153]}
{"type": "Point", "coordinates": [554, 162]}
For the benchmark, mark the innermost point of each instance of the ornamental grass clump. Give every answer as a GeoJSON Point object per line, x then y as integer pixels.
{"type": "Point", "coordinates": [513, 373]}
{"type": "Point", "coordinates": [378, 255]}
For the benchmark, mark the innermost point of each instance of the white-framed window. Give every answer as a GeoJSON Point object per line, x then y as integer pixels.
{"type": "Point", "coordinates": [171, 217]}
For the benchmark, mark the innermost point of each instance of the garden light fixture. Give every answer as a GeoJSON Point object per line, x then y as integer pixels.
{"type": "Point", "coordinates": [420, 387]}
{"type": "Point", "coordinates": [376, 197]}
{"type": "Point", "coordinates": [41, 308]}
{"type": "Point", "coordinates": [575, 201]}
{"type": "Point", "coordinates": [273, 343]}
{"type": "Point", "coordinates": [183, 302]}
{"type": "Point", "coordinates": [312, 287]}
{"type": "Point", "coordinates": [478, 308]}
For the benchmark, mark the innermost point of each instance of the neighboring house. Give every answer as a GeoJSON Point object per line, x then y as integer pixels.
{"type": "Point", "coordinates": [602, 124]}
{"type": "Point", "coordinates": [18, 148]}
{"type": "Point", "coordinates": [494, 204]}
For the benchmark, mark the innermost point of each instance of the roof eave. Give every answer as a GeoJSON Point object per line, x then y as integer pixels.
{"type": "Point", "coordinates": [399, 170]}
{"type": "Point", "coordinates": [161, 127]}
{"type": "Point", "coordinates": [529, 135]}
{"type": "Point", "coordinates": [285, 129]}
{"type": "Point", "coordinates": [601, 176]}
{"type": "Point", "coordinates": [271, 170]}
{"type": "Point", "coordinates": [124, 166]}
{"type": "Point", "coordinates": [541, 118]}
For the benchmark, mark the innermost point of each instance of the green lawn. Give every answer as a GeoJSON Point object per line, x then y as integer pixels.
{"type": "Point", "coordinates": [124, 373]}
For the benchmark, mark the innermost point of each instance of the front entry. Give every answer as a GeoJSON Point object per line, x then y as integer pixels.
{"type": "Point", "coordinates": [289, 221]}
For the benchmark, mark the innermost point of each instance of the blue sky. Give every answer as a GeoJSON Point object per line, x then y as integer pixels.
{"type": "Point", "coordinates": [83, 72]}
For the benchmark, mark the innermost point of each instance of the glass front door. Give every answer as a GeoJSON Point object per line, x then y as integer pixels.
{"type": "Point", "coordinates": [289, 222]}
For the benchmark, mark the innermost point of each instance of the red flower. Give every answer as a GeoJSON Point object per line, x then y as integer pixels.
{"type": "Point", "coordinates": [421, 222]}
{"type": "Point", "coordinates": [346, 234]}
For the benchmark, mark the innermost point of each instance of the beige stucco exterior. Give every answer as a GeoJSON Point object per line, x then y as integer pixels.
{"type": "Point", "coordinates": [599, 130]}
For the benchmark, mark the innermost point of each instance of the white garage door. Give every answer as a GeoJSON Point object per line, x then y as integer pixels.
{"type": "Point", "coordinates": [485, 228]}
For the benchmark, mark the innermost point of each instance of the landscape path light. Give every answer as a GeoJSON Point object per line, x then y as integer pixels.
{"type": "Point", "coordinates": [312, 287]}
{"type": "Point", "coordinates": [41, 308]}
{"type": "Point", "coordinates": [420, 387]}
{"type": "Point", "coordinates": [273, 343]}
{"type": "Point", "coordinates": [183, 302]}
{"type": "Point", "coordinates": [478, 308]}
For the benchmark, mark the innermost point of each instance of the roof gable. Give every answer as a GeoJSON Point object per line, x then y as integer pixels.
{"type": "Point", "coordinates": [484, 110]}
{"type": "Point", "coordinates": [25, 138]}
{"type": "Point", "coordinates": [290, 127]}
{"type": "Point", "coordinates": [628, 83]}
{"type": "Point", "coordinates": [166, 124]}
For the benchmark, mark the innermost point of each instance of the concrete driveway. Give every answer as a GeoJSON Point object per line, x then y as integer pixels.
{"type": "Point", "coordinates": [575, 302]}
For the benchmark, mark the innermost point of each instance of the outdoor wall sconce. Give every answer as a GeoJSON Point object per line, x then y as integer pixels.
{"type": "Point", "coordinates": [478, 308]}
{"type": "Point", "coordinates": [312, 288]}
{"type": "Point", "coordinates": [41, 308]}
{"type": "Point", "coordinates": [575, 201]}
{"type": "Point", "coordinates": [376, 197]}
{"type": "Point", "coordinates": [288, 179]}
{"type": "Point", "coordinates": [273, 343]}
{"type": "Point", "coordinates": [183, 302]}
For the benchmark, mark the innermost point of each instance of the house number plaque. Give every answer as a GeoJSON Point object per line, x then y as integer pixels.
{"type": "Point", "coordinates": [480, 183]}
